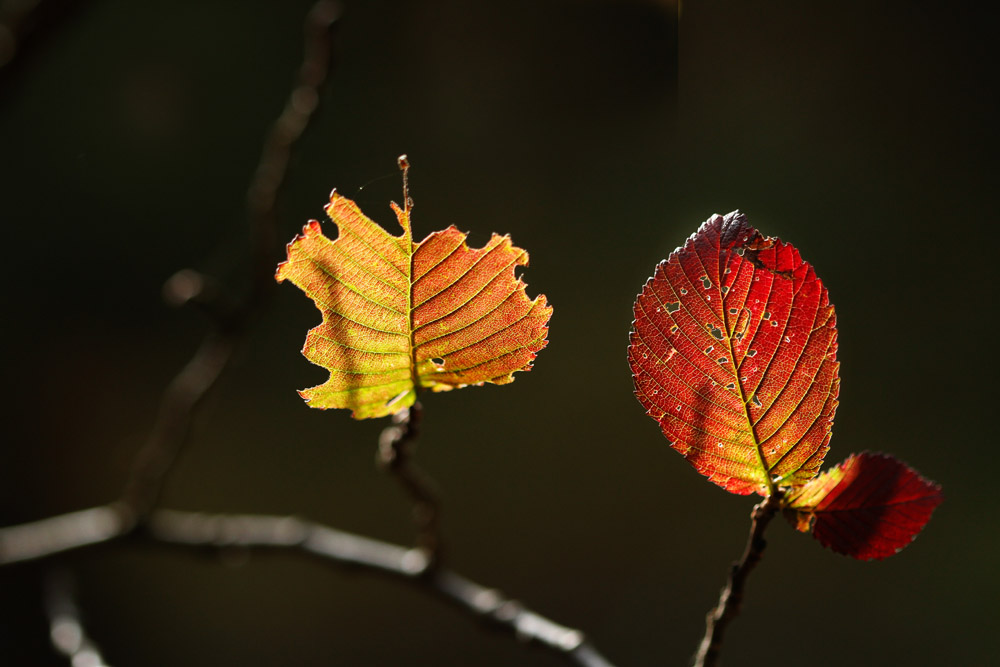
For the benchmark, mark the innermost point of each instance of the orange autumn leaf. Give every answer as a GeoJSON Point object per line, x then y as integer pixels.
{"type": "Point", "coordinates": [401, 316]}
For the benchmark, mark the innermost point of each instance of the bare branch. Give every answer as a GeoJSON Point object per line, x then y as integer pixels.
{"type": "Point", "coordinates": [178, 407]}
{"type": "Point", "coordinates": [185, 394]}
{"type": "Point", "coordinates": [395, 455]}
{"type": "Point", "coordinates": [249, 531]}
{"type": "Point", "coordinates": [732, 595]}
{"type": "Point", "coordinates": [281, 139]}
{"type": "Point", "coordinates": [66, 630]}
{"type": "Point", "coordinates": [65, 532]}
{"type": "Point", "coordinates": [272, 532]}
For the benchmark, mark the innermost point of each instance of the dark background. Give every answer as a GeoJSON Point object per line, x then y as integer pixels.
{"type": "Point", "coordinates": [599, 135]}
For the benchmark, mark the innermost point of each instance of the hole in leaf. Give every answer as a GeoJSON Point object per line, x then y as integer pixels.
{"type": "Point", "coordinates": [673, 329]}
{"type": "Point", "coordinates": [683, 291]}
{"type": "Point", "coordinates": [767, 315]}
{"type": "Point", "coordinates": [751, 353]}
{"type": "Point", "coordinates": [774, 323]}
{"type": "Point", "coordinates": [437, 361]}
{"type": "Point", "coordinates": [731, 385]}
{"type": "Point", "coordinates": [709, 349]}
{"type": "Point", "coordinates": [715, 331]}
{"type": "Point", "coordinates": [705, 282]}
{"type": "Point", "coordinates": [725, 289]}
{"type": "Point", "coordinates": [733, 311]}
{"type": "Point", "coordinates": [673, 306]}
{"type": "Point", "coordinates": [722, 360]}
{"type": "Point", "coordinates": [756, 401]}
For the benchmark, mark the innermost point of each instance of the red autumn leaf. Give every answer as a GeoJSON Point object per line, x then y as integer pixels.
{"type": "Point", "coordinates": [733, 352]}
{"type": "Point", "coordinates": [400, 316]}
{"type": "Point", "coordinates": [870, 506]}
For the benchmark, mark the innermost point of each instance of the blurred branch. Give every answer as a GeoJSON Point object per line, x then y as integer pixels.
{"type": "Point", "coordinates": [395, 455]}
{"type": "Point", "coordinates": [256, 531]}
{"type": "Point", "coordinates": [732, 595]}
{"type": "Point", "coordinates": [66, 631]}
{"type": "Point", "coordinates": [225, 531]}
{"type": "Point", "coordinates": [24, 25]}
{"type": "Point", "coordinates": [65, 532]}
{"type": "Point", "coordinates": [187, 391]}
{"type": "Point", "coordinates": [178, 407]}
{"type": "Point", "coordinates": [284, 134]}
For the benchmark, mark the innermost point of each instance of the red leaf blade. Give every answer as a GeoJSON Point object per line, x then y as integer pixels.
{"type": "Point", "coordinates": [869, 506]}
{"type": "Point", "coordinates": [733, 353]}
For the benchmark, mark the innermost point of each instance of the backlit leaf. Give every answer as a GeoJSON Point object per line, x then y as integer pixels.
{"type": "Point", "coordinates": [869, 506]}
{"type": "Point", "coordinates": [400, 316]}
{"type": "Point", "coordinates": [733, 352]}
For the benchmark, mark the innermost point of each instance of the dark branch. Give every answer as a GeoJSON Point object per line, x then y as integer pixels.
{"type": "Point", "coordinates": [395, 455]}
{"type": "Point", "coordinates": [282, 137]}
{"type": "Point", "coordinates": [178, 407]}
{"type": "Point", "coordinates": [187, 391]}
{"type": "Point", "coordinates": [250, 532]}
{"type": "Point", "coordinates": [732, 595]}
{"type": "Point", "coordinates": [66, 630]}
{"type": "Point", "coordinates": [193, 529]}
{"type": "Point", "coordinates": [65, 532]}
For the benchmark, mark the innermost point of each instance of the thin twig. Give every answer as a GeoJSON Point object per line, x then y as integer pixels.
{"type": "Point", "coordinates": [732, 595]}
{"type": "Point", "coordinates": [395, 455]}
{"type": "Point", "coordinates": [178, 407]}
{"type": "Point", "coordinates": [272, 168]}
{"type": "Point", "coordinates": [273, 532]}
{"type": "Point", "coordinates": [249, 531]}
{"type": "Point", "coordinates": [65, 532]}
{"type": "Point", "coordinates": [66, 631]}
{"type": "Point", "coordinates": [187, 391]}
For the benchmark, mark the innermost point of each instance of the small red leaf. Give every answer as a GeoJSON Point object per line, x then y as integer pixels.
{"type": "Point", "coordinates": [870, 506]}
{"type": "Point", "coordinates": [733, 352]}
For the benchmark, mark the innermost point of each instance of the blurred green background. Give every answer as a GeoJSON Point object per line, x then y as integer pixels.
{"type": "Point", "coordinates": [598, 135]}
